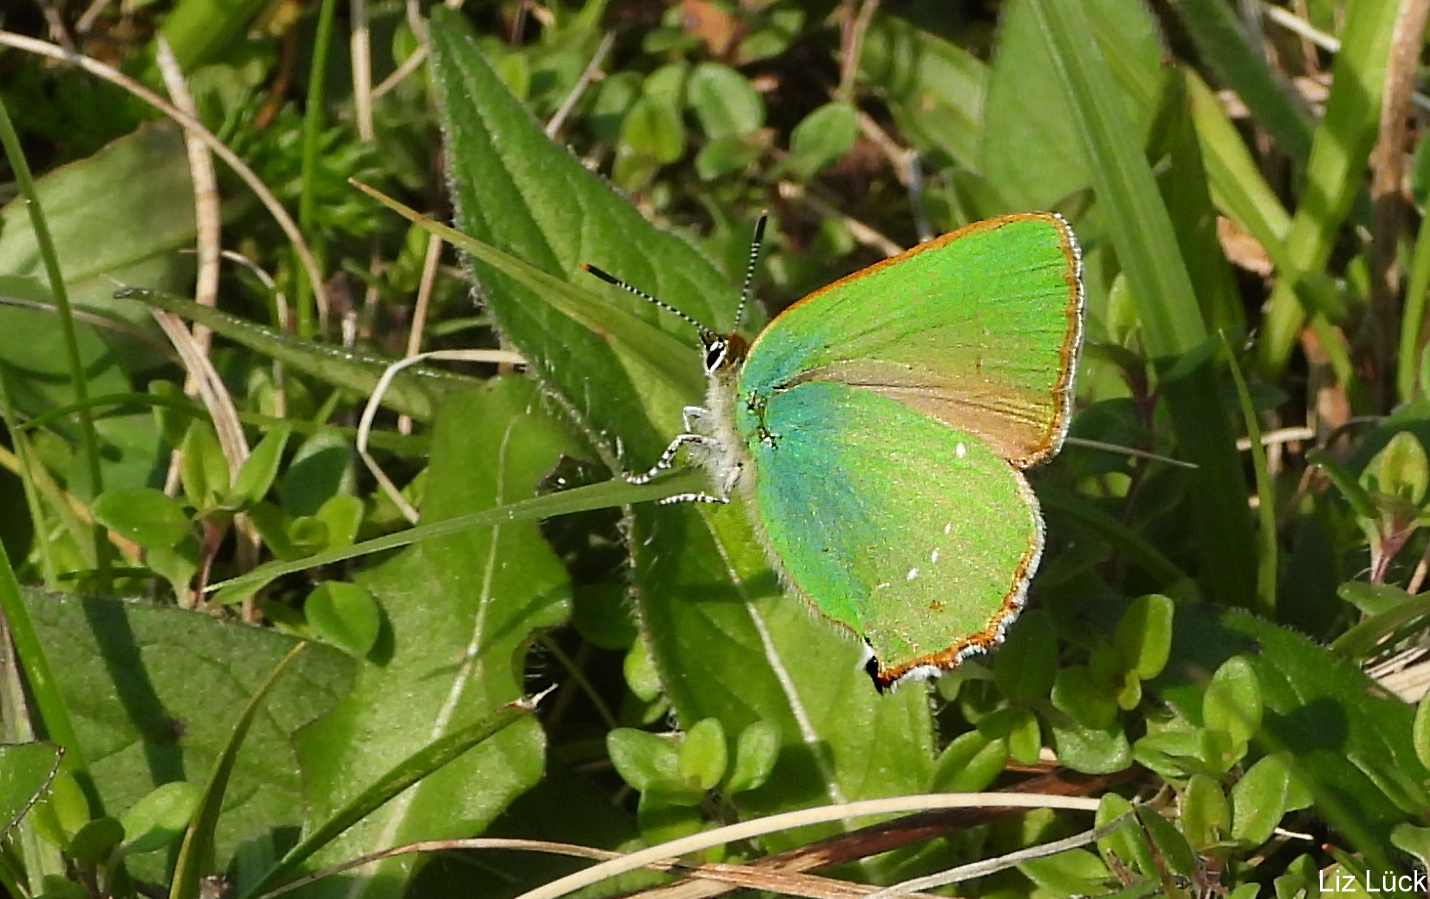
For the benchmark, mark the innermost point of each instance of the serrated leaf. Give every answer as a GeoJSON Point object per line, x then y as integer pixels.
{"type": "Point", "coordinates": [722, 640]}
{"type": "Point", "coordinates": [1349, 742]}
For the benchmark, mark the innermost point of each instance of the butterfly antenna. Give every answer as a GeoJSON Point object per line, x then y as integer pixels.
{"type": "Point", "coordinates": [612, 279]}
{"type": "Point", "coordinates": [755, 244]}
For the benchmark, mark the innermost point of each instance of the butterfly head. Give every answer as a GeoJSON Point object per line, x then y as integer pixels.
{"type": "Point", "coordinates": [723, 352]}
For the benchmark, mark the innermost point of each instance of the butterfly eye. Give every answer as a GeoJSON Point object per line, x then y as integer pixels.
{"type": "Point", "coordinates": [715, 354]}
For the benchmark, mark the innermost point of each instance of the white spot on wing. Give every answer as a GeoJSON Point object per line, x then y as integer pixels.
{"type": "Point", "coordinates": [933, 557]}
{"type": "Point", "coordinates": [947, 529]}
{"type": "Point", "coordinates": [960, 450]}
{"type": "Point", "coordinates": [913, 573]}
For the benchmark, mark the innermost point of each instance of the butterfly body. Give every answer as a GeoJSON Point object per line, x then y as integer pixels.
{"type": "Point", "coordinates": [877, 431]}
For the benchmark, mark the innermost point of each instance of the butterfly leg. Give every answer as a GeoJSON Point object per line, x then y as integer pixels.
{"type": "Point", "coordinates": [697, 419]}
{"type": "Point", "coordinates": [701, 448]}
{"type": "Point", "coordinates": [696, 442]}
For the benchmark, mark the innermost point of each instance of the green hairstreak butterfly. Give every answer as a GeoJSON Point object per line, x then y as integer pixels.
{"type": "Point", "coordinates": [877, 431]}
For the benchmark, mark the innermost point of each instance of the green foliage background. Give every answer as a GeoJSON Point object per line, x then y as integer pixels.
{"type": "Point", "coordinates": [1249, 204]}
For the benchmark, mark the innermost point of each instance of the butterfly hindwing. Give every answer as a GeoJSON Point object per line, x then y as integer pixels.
{"type": "Point", "coordinates": [911, 534]}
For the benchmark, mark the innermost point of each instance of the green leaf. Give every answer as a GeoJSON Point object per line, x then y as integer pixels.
{"type": "Point", "coordinates": [1390, 611]}
{"type": "Point", "coordinates": [1144, 634]}
{"type": "Point", "coordinates": [822, 137]}
{"type": "Point", "coordinates": [1090, 750]}
{"type": "Point", "coordinates": [204, 471]}
{"type": "Point", "coordinates": [93, 843]}
{"type": "Point", "coordinates": [343, 515]}
{"type": "Point", "coordinates": [968, 764]}
{"type": "Point", "coordinates": [144, 515]}
{"type": "Point", "coordinates": [26, 770]}
{"type": "Point", "coordinates": [129, 672]}
{"type": "Point", "coordinates": [704, 754]}
{"type": "Point", "coordinates": [89, 206]}
{"type": "Point", "coordinates": [1223, 44]}
{"type": "Point", "coordinates": [1126, 843]}
{"type": "Point", "coordinates": [1233, 702]}
{"type": "Point", "coordinates": [1259, 800]}
{"type": "Point", "coordinates": [1205, 816]}
{"type": "Point", "coordinates": [1340, 147]}
{"type": "Point", "coordinates": [159, 817]}
{"type": "Point", "coordinates": [644, 760]}
{"type": "Point", "coordinates": [460, 610]}
{"type": "Point", "coordinates": [933, 87]}
{"type": "Point", "coordinates": [1420, 731]}
{"type": "Point", "coordinates": [1075, 872]}
{"type": "Point", "coordinates": [651, 136]}
{"type": "Point", "coordinates": [1177, 856]}
{"type": "Point", "coordinates": [1025, 739]}
{"type": "Point", "coordinates": [1347, 741]}
{"type": "Point", "coordinates": [1399, 470]}
{"type": "Point", "coordinates": [727, 155]}
{"type": "Point", "coordinates": [723, 101]}
{"type": "Point", "coordinates": [176, 564]}
{"type": "Point", "coordinates": [410, 770]}
{"type": "Point", "coordinates": [1027, 662]}
{"type": "Point", "coordinates": [667, 816]}
{"type": "Point", "coordinates": [756, 751]}
{"type": "Point", "coordinates": [723, 641]}
{"type": "Point", "coordinates": [1078, 693]}
{"type": "Point", "coordinates": [256, 474]}
{"type": "Point", "coordinates": [344, 615]}
{"type": "Point", "coordinates": [1413, 840]}
{"type": "Point", "coordinates": [641, 676]}
{"type": "Point", "coordinates": [1105, 127]}
{"type": "Point", "coordinates": [321, 469]}
{"type": "Point", "coordinates": [196, 854]}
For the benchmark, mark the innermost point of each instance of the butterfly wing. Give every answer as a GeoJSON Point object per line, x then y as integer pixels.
{"type": "Point", "coordinates": [978, 329]}
{"type": "Point", "coordinates": [911, 534]}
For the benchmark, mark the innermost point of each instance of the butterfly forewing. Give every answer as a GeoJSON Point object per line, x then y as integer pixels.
{"type": "Point", "coordinates": [978, 329]}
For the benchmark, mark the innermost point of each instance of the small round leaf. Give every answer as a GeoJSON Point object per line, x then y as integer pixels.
{"type": "Point", "coordinates": [644, 760]}
{"type": "Point", "coordinates": [344, 615]}
{"type": "Point", "coordinates": [756, 751]}
{"type": "Point", "coordinates": [704, 754]}
{"type": "Point", "coordinates": [160, 817]}
{"type": "Point", "coordinates": [823, 137]}
{"type": "Point", "coordinates": [1233, 700]}
{"type": "Point", "coordinates": [144, 515]}
{"type": "Point", "coordinates": [1144, 634]}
